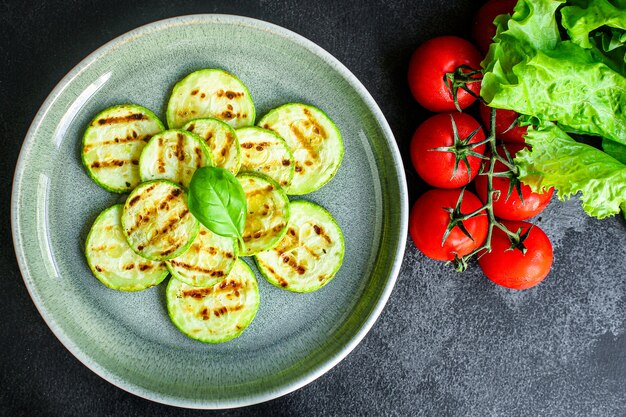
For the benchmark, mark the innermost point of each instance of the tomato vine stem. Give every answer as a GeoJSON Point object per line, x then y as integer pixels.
{"type": "Point", "coordinates": [460, 78]}
{"type": "Point", "coordinates": [516, 238]}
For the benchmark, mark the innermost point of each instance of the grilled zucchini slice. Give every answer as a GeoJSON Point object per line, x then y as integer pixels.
{"type": "Point", "coordinates": [268, 212]}
{"type": "Point", "coordinates": [314, 140]}
{"type": "Point", "coordinates": [216, 313]}
{"type": "Point", "coordinates": [221, 141]}
{"type": "Point", "coordinates": [111, 259]}
{"type": "Point", "coordinates": [210, 93]}
{"type": "Point", "coordinates": [309, 255]}
{"type": "Point", "coordinates": [265, 152]}
{"type": "Point", "coordinates": [113, 143]}
{"type": "Point", "coordinates": [173, 155]}
{"type": "Point", "coordinates": [157, 222]}
{"type": "Point", "coordinates": [207, 261]}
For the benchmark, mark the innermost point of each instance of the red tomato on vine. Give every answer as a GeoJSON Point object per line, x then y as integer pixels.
{"type": "Point", "coordinates": [507, 129]}
{"type": "Point", "coordinates": [440, 69]}
{"type": "Point", "coordinates": [446, 150]}
{"type": "Point", "coordinates": [484, 30]}
{"type": "Point", "coordinates": [431, 228]}
{"type": "Point", "coordinates": [512, 200]}
{"type": "Point", "coordinates": [518, 265]}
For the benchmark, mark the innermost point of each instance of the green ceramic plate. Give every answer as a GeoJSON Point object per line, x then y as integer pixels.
{"type": "Point", "coordinates": [127, 338]}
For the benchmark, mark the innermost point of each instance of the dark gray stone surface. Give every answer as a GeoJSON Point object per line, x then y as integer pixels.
{"type": "Point", "coordinates": [446, 344]}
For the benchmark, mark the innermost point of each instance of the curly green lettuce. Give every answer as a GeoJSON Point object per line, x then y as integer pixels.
{"type": "Point", "coordinates": [531, 70]}
{"type": "Point", "coordinates": [581, 17]}
{"type": "Point", "coordinates": [598, 24]}
{"type": "Point", "coordinates": [616, 150]}
{"type": "Point", "coordinates": [561, 65]}
{"type": "Point", "coordinates": [571, 167]}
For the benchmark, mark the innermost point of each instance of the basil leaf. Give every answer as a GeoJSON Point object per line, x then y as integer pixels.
{"type": "Point", "coordinates": [218, 201]}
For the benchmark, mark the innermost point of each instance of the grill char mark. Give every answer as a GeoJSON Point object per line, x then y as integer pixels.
{"type": "Point", "coordinates": [321, 232]}
{"type": "Point", "coordinates": [258, 234]}
{"type": "Point", "coordinates": [171, 225]}
{"type": "Point", "coordinates": [224, 286]}
{"type": "Point", "coordinates": [144, 217]}
{"type": "Point", "coordinates": [317, 128]}
{"type": "Point", "coordinates": [180, 147]}
{"type": "Point", "coordinates": [281, 281]}
{"type": "Point", "coordinates": [198, 153]}
{"type": "Point", "coordinates": [160, 157]}
{"type": "Point", "coordinates": [113, 163]}
{"type": "Point", "coordinates": [223, 310]}
{"type": "Point", "coordinates": [121, 119]}
{"type": "Point", "coordinates": [303, 140]}
{"type": "Point", "coordinates": [195, 268]}
{"type": "Point", "coordinates": [127, 139]}
{"type": "Point", "coordinates": [289, 260]}
{"type": "Point", "coordinates": [252, 193]}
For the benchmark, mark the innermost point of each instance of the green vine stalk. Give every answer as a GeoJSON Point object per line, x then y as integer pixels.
{"type": "Point", "coordinates": [457, 218]}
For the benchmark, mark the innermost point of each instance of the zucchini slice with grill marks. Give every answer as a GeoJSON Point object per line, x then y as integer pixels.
{"type": "Point", "coordinates": [268, 212]}
{"type": "Point", "coordinates": [216, 313]}
{"type": "Point", "coordinates": [210, 93]}
{"type": "Point", "coordinates": [265, 152]}
{"type": "Point", "coordinates": [173, 155]}
{"type": "Point", "coordinates": [207, 261]}
{"type": "Point", "coordinates": [111, 259]}
{"type": "Point", "coordinates": [221, 141]}
{"type": "Point", "coordinates": [157, 222]}
{"type": "Point", "coordinates": [113, 143]}
{"type": "Point", "coordinates": [314, 140]}
{"type": "Point", "coordinates": [309, 255]}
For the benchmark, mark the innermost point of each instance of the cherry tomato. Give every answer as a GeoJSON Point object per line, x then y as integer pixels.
{"type": "Point", "coordinates": [504, 120]}
{"type": "Point", "coordinates": [484, 30]}
{"type": "Point", "coordinates": [429, 221]}
{"type": "Point", "coordinates": [429, 65]}
{"type": "Point", "coordinates": [437, 167]}
{"type": "Point", "coordinates": [512, 207]}
{"type": "Point", "coordinates": [513, 268]}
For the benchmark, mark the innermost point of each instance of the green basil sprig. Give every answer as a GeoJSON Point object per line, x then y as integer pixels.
{"type": "Point", "coordinates": [218, 201]}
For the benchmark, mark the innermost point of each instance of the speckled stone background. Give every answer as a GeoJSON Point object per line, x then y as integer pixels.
{"type": "Point", "coordinates": [446, 344]}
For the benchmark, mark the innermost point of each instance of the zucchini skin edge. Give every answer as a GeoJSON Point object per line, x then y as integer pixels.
{"type": "Point", "coordinates": [334, 273]}
{"type": "Point", "coordinates": [335, 128]}
{"type": "Point", "coordinates": [96, 273]}
{"type": "Point", "coordinates": [182, 249]}
{"type": "Point", "coordinates": [90, 173]}
{"type": "Point", "coordinates": [227, 338]}
{"type": "Point", "coordinates": [277, 186]}
{"type": "Point", "coordinates": [168, 115]}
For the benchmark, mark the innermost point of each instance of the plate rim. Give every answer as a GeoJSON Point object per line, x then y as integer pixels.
{"type": "Point", "coordinates": [248, 399]}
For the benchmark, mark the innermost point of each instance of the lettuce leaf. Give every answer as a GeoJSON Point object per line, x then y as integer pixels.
{"type": "Point", "coordinates": [616, 150]}
{"type": "Point", "coordinates": [585, 16]}
{"type": "Point", "coordinates": [599, 24]}
{"type": "Point", "coordinates": [613, 46]}
{"type": "Point", "coordinates": [531, 70]}
{"type": "Point", "coordinates": [534, 22]}
{"type": "Point", "coordinates": [558, 161]}
{"type": "Point", "coordinates": [562, 66]}
{"type": "Point", "coordinates": [565, 84]}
